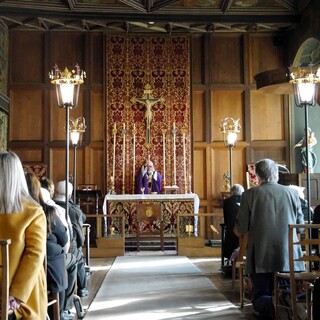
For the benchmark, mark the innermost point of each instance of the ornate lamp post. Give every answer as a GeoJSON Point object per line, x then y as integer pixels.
{"type": "Point", "coordinates": [230, 129]}
{"type": "Point", "coordinates": [305, 81]}
{"type": "Point", "coordinates": [67, 85]}
{"type": "Point", "coordinates": [77, 128]}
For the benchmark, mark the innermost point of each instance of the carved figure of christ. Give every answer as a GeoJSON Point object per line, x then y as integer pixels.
{"type": "Point", "coordinates": [148, 101]}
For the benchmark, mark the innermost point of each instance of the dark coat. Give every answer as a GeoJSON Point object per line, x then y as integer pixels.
{"type": "Point", "coordinates": [56, 265]}
{"type": "Point", "coordinates": [230, 210]}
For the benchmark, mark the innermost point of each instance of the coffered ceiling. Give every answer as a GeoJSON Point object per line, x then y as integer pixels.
{"type": "Point", "coordinates": [157, 16]}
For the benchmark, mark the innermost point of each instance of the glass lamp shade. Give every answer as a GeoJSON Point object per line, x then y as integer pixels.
{"type": "Point", "coordinates": [67, 95]}
{"type": "Point", "coordinates": [75, 137]}
{"type": "Point", "coordinates": [305, 93]}
{"type": "Point", "coordinates": [230, 128]}
{"type": "Point", "coordinates": [231, 138]}
{"type": "Point", "coordinates": [305, 85]}
{"type": "Point", "coordinates": [67, 85]}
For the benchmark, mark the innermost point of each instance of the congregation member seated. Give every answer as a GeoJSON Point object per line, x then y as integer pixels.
{"type": "Point", "coordinates": [230, 209]}
{"type": "Point", "coordinates": [304, 203]}
{"type": "Point", "coordinates": [149, 180]}
{"type": "Point", "coordinates": [77, 218]}
{"type": "Point", "coordinates": [57, 238]}
{"type": "Point", "coordinates": [23, 221]}
{"type": "Point", "coordinates": [66, 297]}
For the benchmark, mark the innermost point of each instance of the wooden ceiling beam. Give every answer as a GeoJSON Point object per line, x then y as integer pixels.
{"type": "Point", "coordinates": [225, 5]}
{"type": "Point", "coordinates": [289, 4]}
{"type": "Point", "coordinates": [134, 4]}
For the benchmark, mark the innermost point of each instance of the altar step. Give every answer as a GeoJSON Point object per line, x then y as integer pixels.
{"type": "Point", "coordinates": [150, 245]}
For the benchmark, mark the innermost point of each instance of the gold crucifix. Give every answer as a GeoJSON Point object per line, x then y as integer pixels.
{"type": "Point", "coordinates": [148, 100]}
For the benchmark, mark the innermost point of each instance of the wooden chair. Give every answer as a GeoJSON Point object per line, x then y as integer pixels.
{"type": "Point", "coordinates": [53, 298]}
{"type": "Point", "coordinates": [4, 265]}
{"type": "Point", "coordinates": [150, 224]}
{"type": "Point", "coordinates": [297, 286]}
{"type": "Point", "coordinates": [240, 263]}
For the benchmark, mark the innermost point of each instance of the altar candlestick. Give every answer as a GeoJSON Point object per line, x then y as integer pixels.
{"type": "Point", "coordinates": [164, 156]}
{"type": "Point", "coordinates": [134, 156]}
{"type": "Point", "coordinates": [174, 154]}
{"type": "Point", "coordinates": [184, 161]}
{"type": "Point", "coordinates": [114, 131]}
{"type": "Point", "coordinates": [124, 158]}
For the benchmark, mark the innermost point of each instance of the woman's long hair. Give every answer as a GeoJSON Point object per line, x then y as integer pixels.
{"type": "Point", "coordinates": [13, 186]}
{"type": "Point", "coordinates": [34, 187]}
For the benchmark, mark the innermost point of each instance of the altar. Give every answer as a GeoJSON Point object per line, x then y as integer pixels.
{"type": "Point", "coordinates": [126, 205]}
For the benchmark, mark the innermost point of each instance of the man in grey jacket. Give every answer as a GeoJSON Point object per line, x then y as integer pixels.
{"type": "Point", "coordinates": [265, 212]}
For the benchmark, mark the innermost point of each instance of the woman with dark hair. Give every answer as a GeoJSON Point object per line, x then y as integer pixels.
{"type": "Point", "coordinates": [56, 240]}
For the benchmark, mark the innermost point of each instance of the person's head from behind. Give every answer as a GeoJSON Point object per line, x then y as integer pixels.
{"type": "Point", "coordinates": [60, 191]}
{"type": "Point", "coordinates": [236, 190]}
{"type": "Point", "coordinates": [33, 184]}
{"type": "Point", "coordinates": [13, 185]}
{"type": "Point", "coordinates": [48, 184]}
{"type": "Point", "coordinates": [267, 170]}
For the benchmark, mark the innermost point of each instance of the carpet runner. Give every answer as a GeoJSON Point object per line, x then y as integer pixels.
{"type": "Point", "coordinates": [156, 288]}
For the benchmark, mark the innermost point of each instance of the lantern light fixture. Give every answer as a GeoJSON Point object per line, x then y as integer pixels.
{"type": "Point", "coordinates": [305, 81]}
{"type": "Point", "coordinates": [67, 84]}
{"type": "Point", "coordinates": [230, 128]}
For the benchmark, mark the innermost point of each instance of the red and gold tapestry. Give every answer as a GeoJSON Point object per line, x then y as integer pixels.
{"type": "Point", "coordinates": [163, 63]}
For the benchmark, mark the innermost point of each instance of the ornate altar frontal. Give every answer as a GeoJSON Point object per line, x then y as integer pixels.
{"type": "Point", "coordinates": [172, 204]}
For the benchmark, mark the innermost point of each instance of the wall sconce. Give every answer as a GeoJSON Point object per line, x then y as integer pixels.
{"type": "Point", "coordinates": [230, 129]}
{"type": "Point", "coordinates": [76, 127]}
{"type": "Point", "coordinates": [67, 85]}
{"type": "Point", "coordinates": [305, 82]}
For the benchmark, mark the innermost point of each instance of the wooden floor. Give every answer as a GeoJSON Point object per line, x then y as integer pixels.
{"type": "Point", "coordinates": [209, 266]}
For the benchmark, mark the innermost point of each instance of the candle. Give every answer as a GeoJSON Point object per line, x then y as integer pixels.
{"type": "Point", "coordinates": [184, 162]}
{"type": "Point", "coordinates": [114, 154]}
{"type": "Point", "coordinates": [164, 155]}
{"type": "Point", "coordinates": [174, 155]}
{"type": "Point", "coordinates": [134, 156]}
{"type": "Point", "coordinates": [124, 158]}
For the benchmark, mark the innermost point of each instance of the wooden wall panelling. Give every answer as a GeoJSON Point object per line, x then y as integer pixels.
{"type": "Point", "coordinates": [200, 172]}
{"type": "Point", "coordinates": [27, 57]}
{"type": "Point", "coordinates": [67, 49]}
{"type": "Point", "coordinates": [221, 164]}
{"type": "Point", "coordinates": [96, 65]}
{"type": "Point", "coordinates": [197, 59]}
{"type": "Point", "coordinates": [226, 104]}
{"type": "Point", "coordinates": [58, 164]}
{"type": "Point", "coordinates": [94, 166]}
{"type": "Point", "coordinates": [267, 113]}
{"type": "Point", "coordinates": [198, 116]}
{"type": "Point", "coordinates": [26, 114]}
{"type": "Point", "coordinates": [266, 53]}
{"type": "Point", "coordinates": [29, 154]}
{"type": "Point", "coordinates": [96, 125]}
{"type": "Point", "coordinates": [80, 157]}
{"type": "Point", "coordinates": [227, 53]}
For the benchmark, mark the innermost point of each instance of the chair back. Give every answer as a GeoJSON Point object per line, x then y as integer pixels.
{"type": "Point", "coordinates": [307, 237]}
{"type": "Point", "coordinates": [4, 265]}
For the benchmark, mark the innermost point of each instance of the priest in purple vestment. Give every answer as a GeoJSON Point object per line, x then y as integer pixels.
{"type": "Point", "coordinates": [151, 180]}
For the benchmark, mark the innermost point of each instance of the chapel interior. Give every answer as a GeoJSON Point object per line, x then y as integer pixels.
{"type": "Point", "coordinates": [201, 61]}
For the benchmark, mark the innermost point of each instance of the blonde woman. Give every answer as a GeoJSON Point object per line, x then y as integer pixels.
{"type": "Point", "coordinates": [23, 221]}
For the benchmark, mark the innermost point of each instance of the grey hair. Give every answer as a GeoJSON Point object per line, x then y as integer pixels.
{"type": "Point", "coordinates": [267, 170]}
{"type": "Point", "coordinates": [13, 185]}
{"type": "Point", "coordinates": [237, 190]}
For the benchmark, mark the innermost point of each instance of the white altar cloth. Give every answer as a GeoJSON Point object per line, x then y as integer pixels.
{"type": "Point", "coordinates": [115, 197]}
